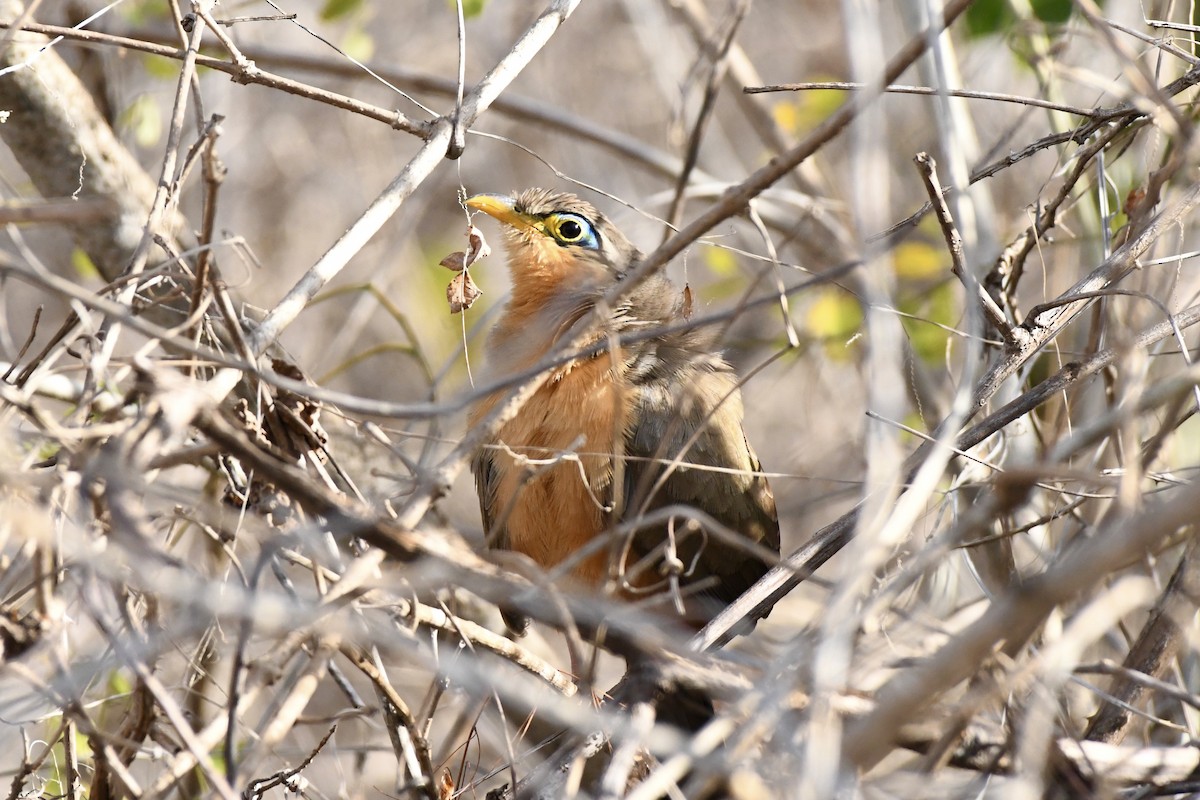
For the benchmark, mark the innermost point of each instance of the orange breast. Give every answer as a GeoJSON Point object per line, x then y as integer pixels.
{"type": "Point", "coordinates": [556, 510]}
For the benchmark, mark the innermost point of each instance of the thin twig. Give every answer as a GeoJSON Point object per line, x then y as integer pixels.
{"type": "Point", "coordinates": [417, 169]}
{"type": "Point", "coordinates": [1011, 618]}
{"type": "Point", "coordinates": [458, 139]}
{"type": "Point", "coordinates": [173, 713]}
{"type": "Point", "coordinates": [33, 326]}
{"type": "Point", "coordinates": [415, 740]}
{"type": "Point", "coordinates": [214, 174]}
{"type": "Point", "coordinates": [51, 210]}
{"type": "Point", "coordinates": [928, 169]}
{"type": "Point", "coordinates": [1153, 652]}
{"type": "Point", "coordinates": [829, 540]}
{"type": "Point", "coordinates": [716, 74]}
{"type": "Point", "coordinates": [391, 117]}
{"type": "Point", "coordinates": [256, 788]}
{"type": "Point", "coordinates": [928, 91]}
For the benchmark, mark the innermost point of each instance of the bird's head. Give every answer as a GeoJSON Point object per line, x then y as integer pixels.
{"type": "Point", "coordinates": [554, 237]}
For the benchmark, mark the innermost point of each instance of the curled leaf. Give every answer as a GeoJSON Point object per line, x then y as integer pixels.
{"type": "Point", "coordinates": [687, 305]}
{"type": "Point", "coordinates": [445, 785]}
{"type": "Point", "coordinates": [462, 292]}
{"type": "Point", "coordinates": [1134, 201]}
{"type": "Point", "coordinates": [477, 246]}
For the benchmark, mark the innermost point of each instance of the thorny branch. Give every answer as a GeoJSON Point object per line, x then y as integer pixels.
{"type": "Point", "coordinates": [166, 487]}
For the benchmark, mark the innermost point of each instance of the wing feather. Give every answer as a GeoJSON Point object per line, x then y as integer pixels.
{"type": "Point", "coordinates": [487, 479]}
{"type": "Point", "coordinates": [693, 412]}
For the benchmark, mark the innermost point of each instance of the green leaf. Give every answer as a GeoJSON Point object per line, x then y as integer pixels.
{"type": "Point", "coordinates": [915, 421]}
{"type": "Point", "coordinates": [358, 44]}
{"type": "Point", "coordinates": [834, 318]}
{"type": "Point", "coordinates": [1054, 12]}
{"type": "Point", "coordinates": [118, 683]}
{"type": "Point", "coordinates": [987, 17]}
{"type": "Point", "coordinates": [336, 9]}
{"type": "Point", "coordinates": [919, 261]}
{"type": "Point", "coordinates": [937, 305]}
{"type": "Point", "coordinates": [808, 109]}
{"type": "Point", "coordinates": [143, 12]}
{"type": "Point", "coordinates": [472, 8]}
{"type": "Point", "coordinates": [158, 67]}
{"type": "Point", "coordinates": [144, 119]}
{"type": "Point", "coordinates": [720, 261]}
{"type": "Point", "coordinates": [83, 264]}
{"type": "Point", "coordinates": [834, 314]}
{"type": "Point", "coordinates": [48, 450]}
{"type": "Point", "coordinates": [1040, 369]}
{"type": "Point", "coordinates": [1195, 20]}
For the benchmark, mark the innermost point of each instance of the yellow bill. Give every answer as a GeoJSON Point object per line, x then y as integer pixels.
{"type": "Point", "coordinates": [503, 208]}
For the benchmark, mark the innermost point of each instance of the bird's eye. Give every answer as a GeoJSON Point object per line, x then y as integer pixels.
{"type": "Point", "coordinates": [572, 229]}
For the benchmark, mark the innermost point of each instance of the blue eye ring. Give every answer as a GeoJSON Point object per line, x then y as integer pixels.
{"type": "Point", "coordinates": [573, 229]}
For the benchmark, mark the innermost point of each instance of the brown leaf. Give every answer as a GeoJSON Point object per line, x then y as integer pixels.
{"type": "Point", "coordinates": [462, 292]}
{"type": "Point", "coordinates": [445, 785]}
{"type": "Point", "coordinates": [306, 411]}
{"type": "Point", "coordinates": [1134, 201]}
{"type": "Point", "coordinates": [477, 246]}
{"type": "Point", "coordinates": [288, 370]}
{"type": "Point", "coordinates": [686, 307]}
{"type": "Point", "coordinates": [456, 261]}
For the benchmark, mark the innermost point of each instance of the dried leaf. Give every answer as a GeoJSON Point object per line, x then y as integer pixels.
{"type": "Point", "coordinates": [1134, 201]}
{"type": "Point", "coordinates": [288, 370]}
{"type": "Point", "coordinates": [306, 411]}
{"type": "Point", "coordinates": [445, 785]}
{"type": "Point", "coordinates": [456, 261]}
{"type": "Point", "coordinates": [687, 305]}
{"type": "Point", "coordinates": [462, 292]}
{"type": "Point", "coordinates": [477, 246]}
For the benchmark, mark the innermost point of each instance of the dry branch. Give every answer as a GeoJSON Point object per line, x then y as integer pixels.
{"type": "Point", "coordinates": [202, 554]}
{"type": "Point", "coordinates": [68, 150]}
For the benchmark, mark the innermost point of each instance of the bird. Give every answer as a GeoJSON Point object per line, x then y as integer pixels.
{"type": "Point", "coordinates": [648, 416]}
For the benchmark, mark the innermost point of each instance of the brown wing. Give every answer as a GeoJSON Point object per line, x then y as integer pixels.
{"type": "Point", "coordinates": [673, 403]}
{"type": "Point", "coordinates": [486, 480]}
